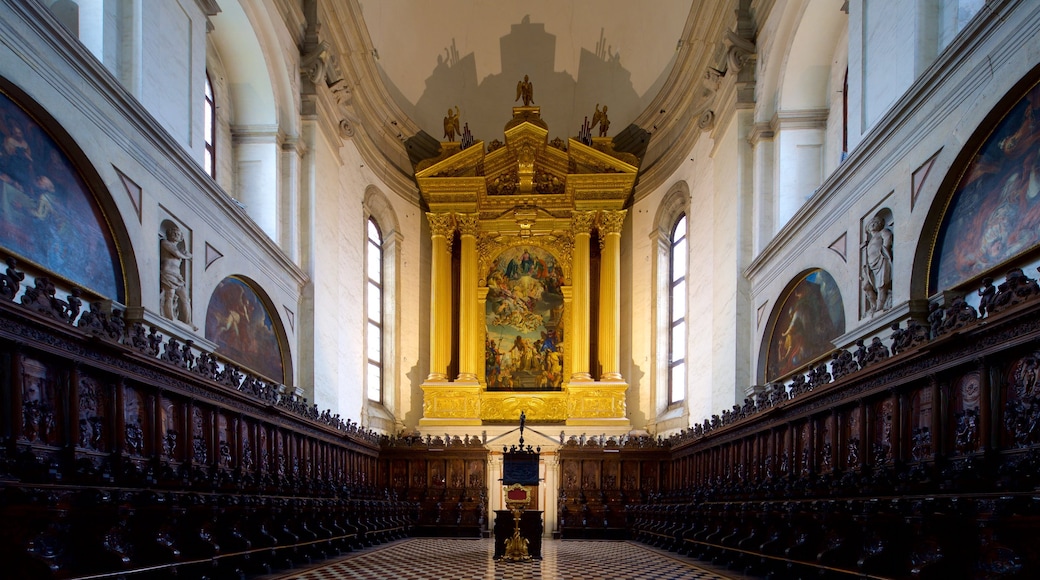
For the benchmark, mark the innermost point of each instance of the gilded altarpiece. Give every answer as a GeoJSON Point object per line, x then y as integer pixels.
{"type": "Point", "coordinates": [524, 212]}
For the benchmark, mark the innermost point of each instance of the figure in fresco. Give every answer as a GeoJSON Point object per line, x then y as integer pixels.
{"type": "Point", "coordinates": [172, 284]}
{"type": "Point", "coordinates": [808, 320]}
{"type": "Point", "coordinates": [525, 91]}
{"type": "Point", "coordinates": [451, 125]}
{"type": "Point", "coordinates": [995, 213]}
{"type": "Point", "coordinates": [879, 262]}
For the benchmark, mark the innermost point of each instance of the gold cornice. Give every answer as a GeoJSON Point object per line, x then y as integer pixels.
{"type": "Point", "coordinates": [597, 161]}
{"type": "Point", "coordinates": [453, 161]}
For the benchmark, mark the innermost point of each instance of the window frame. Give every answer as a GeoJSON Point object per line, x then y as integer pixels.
{"type": "Point", "coordinates": [209, 133]}
{"type": "Point", "coordinates": [372, 224]}
{"type": "Point", "coordinates": [676, 395]}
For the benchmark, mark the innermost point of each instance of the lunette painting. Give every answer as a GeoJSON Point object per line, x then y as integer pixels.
{"type": "Point", "coordinates": [48, 216]}
{"type": "Point", "coordinates": [811, 316]}
{"type": "Point", "coordinates": [524, 318]}
{"type": "Point", "coordinates": [239, 323]}
{"type": "Point", "coordinates": [994, 214]}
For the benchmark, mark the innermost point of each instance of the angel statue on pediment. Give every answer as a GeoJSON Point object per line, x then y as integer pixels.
{"type": "Point", "coordinates": [525, 91]}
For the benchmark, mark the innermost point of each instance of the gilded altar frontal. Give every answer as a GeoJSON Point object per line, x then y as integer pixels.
{"type": "Point", "coordinates": [528, 229]}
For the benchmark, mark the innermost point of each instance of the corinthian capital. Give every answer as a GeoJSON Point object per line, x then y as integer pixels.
{"type": "Point", "coordinates": [610, 222]}
{"type": "Point", "coordinates": [467, 223]}
{"type": "Point", "coordinates": [582, 221]}
{"type": "Point", "coordinates": [441, 224]}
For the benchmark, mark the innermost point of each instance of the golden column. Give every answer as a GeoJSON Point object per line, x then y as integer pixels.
{"type": "Point", "coordinates": [469, 342]}
{"type": "Point", "coordinates": [442, 225]}
{"type": "Point", "coordinates": [610, 223]}
{"type": "Point", "coordinates": [581, 222]}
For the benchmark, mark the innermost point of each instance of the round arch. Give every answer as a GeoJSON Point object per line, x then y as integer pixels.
{"type": "Point", "coordinates": [809, 314]}
{"type": "Point", "coordinates": [986, 214]}
{"type": "Point", "coordinates": [59, 157]}
{"type": "Point", "coordinates": [242, 321]}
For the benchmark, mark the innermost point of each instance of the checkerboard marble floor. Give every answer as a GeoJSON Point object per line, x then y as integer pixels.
{"type": "Point", "coordinates": [458, 559]}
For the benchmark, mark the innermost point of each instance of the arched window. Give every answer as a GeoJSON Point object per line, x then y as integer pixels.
{"type": "Point", "coordinates": [374, 306]}
{"type": "Point", "coordinates": [677, 257]}
{"type": "Point", "coordinates": [209, 118]}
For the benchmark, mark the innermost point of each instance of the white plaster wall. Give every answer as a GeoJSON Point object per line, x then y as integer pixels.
{"type": "Point", "coordinates": [256, 177]}
{"type": "Point", "coordinates": [173, 43]}
{"type": "Point", "coordinates": [729, 293]}
{"type": "Point", "coordinates": [116, 133]}
{"type": "Point", "coordinates": [882, 45]}
{"type": "Point", "coordinates": [638, 327]}
{"type": "Point", "coordinates": [700, 300]}
{"type": "Point", "coordinates": [799, 167]}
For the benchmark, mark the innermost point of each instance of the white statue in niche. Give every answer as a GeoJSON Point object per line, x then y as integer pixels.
{"type": "Point", "coordinates": [172, 284]}
{"type": "Point", "coordinates": [877, 267]}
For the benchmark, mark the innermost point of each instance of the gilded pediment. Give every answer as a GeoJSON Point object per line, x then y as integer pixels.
{"type": "Point", "coordinates": [527, 169]}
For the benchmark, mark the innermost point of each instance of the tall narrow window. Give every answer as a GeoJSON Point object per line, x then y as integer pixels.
{"type": "Point", "coordinates": [374, 333]}
{"type": "Point", "coordinates": [209, 118]}
{"type": "Point", "coordinates": [677, 314]}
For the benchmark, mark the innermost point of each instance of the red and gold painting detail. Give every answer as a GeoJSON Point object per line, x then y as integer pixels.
{"type": "Point", "coordinates": [48, 216]}
{"type": "Point", "coordinates": [994, 213]}
{"type": "Point", "coordinates": [243, 329]}
{"type": "Point", "coordinates": [809, 318]}
{"type": "Point", "coordinates": [524, 318]}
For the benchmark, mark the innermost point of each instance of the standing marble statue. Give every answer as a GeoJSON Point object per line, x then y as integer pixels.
{"type": "Point", "coordinates": [172, 284]}
{"type": "Point", "coordinates": [877, 271]}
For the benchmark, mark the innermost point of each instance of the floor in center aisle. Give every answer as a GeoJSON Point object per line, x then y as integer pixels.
{"type": "Point", "coordinates": [459, 559]}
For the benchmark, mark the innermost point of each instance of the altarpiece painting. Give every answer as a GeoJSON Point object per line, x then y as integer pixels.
{"type": "Point", "coordinates": [524, 314]}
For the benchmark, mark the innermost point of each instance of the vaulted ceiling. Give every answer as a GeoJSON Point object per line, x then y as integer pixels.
{"type": "Point", "coordinates": [472, 53]}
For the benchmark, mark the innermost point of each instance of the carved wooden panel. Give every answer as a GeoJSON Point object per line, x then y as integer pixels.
{"type": "Point", "coordinates": [851, 443]}
{"type": "Point", "coordinates": [438, 475]}
{"type": "Point", "coordinates": [965, 416]}
{"type": "Point", "coordinates": [611, 474]}
{"type": "Point", "coordinates": [920, 427]}
{"type": "Point", "coordinates": [881, 449]}
{"type": "Point", "coordinates": [456, 473]}
{"type": "Point", "coordinates": [1021, 394]}
{"type": "Point", "coordinates": [247, 453]}
{"type": "Point", "coordinates": [40, 421]}
{"type": "Point", "coordinates": [475, 470]}
{"type": "Point", "coordinates": [94, 414]}
{"type": "Point", "coordinates": [590, 474]}
{"type": "Point", "coordinates": [135, 422]}
{"type": "Point", "coordinates": [630, 474]}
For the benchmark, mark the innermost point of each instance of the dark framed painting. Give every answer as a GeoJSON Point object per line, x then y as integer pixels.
{"type": "Point", "coordinates": [524, 319]}
{"type": "Point", "coordinates": [242, 327]}
{"type": "Point", "coordinates": [993, 216]}
{"type": "Point", "coordinates": [808, 319]}
{"type": "Point", "coordinates": [48, 215]}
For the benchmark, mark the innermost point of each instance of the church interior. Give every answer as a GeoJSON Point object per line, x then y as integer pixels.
{"type": "Point", "coordinates": [736, 288]}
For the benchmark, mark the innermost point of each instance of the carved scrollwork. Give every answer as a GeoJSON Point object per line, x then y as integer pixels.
{"type": "Point", "coordinates": [741, 51]}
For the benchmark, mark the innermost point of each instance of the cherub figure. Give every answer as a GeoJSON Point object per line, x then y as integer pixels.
{"type": "Point", "coordinates": [451, 124]}
{"type": "Point", "coordinates": [525, 91]}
